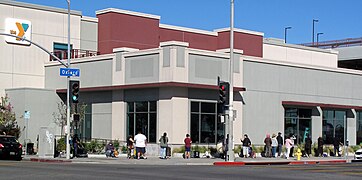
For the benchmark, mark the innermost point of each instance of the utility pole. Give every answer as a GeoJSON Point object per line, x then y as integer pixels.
{"type": "Point", "coordinates": [230, 118]}
{"type": "Point", "coordinates": [68, 77]}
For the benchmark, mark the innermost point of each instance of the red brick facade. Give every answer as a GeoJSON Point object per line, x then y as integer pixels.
{"type": "Point", "coordinates": [117, 29]}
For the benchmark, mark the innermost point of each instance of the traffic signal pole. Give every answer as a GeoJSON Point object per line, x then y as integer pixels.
{"type": "Point", "coordinates": [68, 77]}
{"type": "Point", "coordinates": [229, 119]}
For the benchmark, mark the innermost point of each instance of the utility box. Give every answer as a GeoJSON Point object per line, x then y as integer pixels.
{"type": "Point", "coordinates": [46, 142]}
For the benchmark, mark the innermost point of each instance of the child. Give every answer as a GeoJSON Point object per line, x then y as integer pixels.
{"type": "Point", "coordinates": [130, 153]}
{"type": "Point", "coordinates": [187, 146]}
{"type": "Point", "coordinates": [251, 152]}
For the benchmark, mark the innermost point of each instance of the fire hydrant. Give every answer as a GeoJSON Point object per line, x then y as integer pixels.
{"type": "Point", "coordinates": [299, 154]}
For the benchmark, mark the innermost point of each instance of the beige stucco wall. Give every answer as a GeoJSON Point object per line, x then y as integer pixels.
{"type": "Point", "coordinates": [300, 55]}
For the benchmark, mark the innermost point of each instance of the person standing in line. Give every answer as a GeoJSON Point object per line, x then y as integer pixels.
{"type": "Point", "coordinates": [75, 142]}
{"type": "Point", "coordinates": [246, 145]}
{"type": "Point", "coordinates": [280, 143]}
{"type": "Point", "coordinates": [268, 143]}
{"type": "Point", "coordinates": [320, 146]}
{"type": "Point", "coordinates": [274, 145]}
{"type": "Point", "coordinates": [294, 139]}
{"type": "Point", "coordinates": [187, 142]}
{"type": "Point", "coordinates": [225, 146]}
{"type": "Point", "coordinates": [130, 151]}
{"type": "Point", "coordinates": [163, 144]}
{"type": "Point", "coordinates": [308, 146]}
{"type": "Point", "coordinates": [141, 142]}
{"type": "Point", "coordinates": [336, 143]}
{"type": "Point", "coordinates": [288, 145]}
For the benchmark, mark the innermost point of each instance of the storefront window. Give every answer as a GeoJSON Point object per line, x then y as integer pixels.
{"type": "Point", "coordinates": [205, 126]}
{"type": "Point", "coordinates": [86, 126]}
{"type": "Point", "coordinates": [333, 125]}
{"type": "Point", "coordinates": [60, 50]}
{"type": "Point", "coordinates": [142, 116]}
{"type": "Point", "coordinates": [359, 128]}
{"type": "Point", "coordinates": [298, 122]}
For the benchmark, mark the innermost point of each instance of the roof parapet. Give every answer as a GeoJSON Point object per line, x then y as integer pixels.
{"type": "Point", "coordinates": [240, 30]}
{"type": "Point", "coordinates": [121, 11]}
{"type": "Point", "coordinates": [174, 43]}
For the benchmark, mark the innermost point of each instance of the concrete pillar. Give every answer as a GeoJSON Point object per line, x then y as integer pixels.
{"type": "Point", "coordinates": [173, 114]}
{"type": "Point", "coordinates": [119, 120]}
{"type": "Point", "coordinates": [317, 123]}
{"type": "Point", "coordinates": [351, 127]}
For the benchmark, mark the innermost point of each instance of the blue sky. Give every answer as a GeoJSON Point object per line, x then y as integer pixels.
{"type": "Point", "coordinates": [338, 19]}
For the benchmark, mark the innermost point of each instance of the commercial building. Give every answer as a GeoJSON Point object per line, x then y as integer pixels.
{"type": "Point", "coordinates": [157, 78]}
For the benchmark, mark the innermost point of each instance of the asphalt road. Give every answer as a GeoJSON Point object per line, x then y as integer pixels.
{"type": "Point", "coordinates": [62, 171]}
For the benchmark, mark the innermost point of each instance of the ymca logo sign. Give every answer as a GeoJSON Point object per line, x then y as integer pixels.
{"type": "Point", "coordinates": [18, 27]}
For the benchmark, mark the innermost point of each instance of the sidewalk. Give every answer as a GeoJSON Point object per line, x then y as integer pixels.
{"type": "Point", "coordinates": [102, 159]}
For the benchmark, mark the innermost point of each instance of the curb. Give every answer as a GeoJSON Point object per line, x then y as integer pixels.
{"type": "Point", "coordinates": [50, 160]}
{"type": "Point", "coordinates": [229, 163]}
{"type": "Point", "coordinates": [318, 162]}
{"type": "Point", "coordinates": [279, 163]}
{"type": "Point", "coordinates": [268, 163]}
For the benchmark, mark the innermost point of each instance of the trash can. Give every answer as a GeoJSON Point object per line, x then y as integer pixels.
{"type": "Point", "coordinates": [195, 154]}
{"type": "Point", "coordinates": [30, 148]}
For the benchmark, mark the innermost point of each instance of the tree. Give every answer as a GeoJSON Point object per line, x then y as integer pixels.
{"type": "Point", "coordinates": [8, 122]}
{"type": "Point", "coordinates": [60, 117]}
{"type": "Point", "coordinates": [81, 112]}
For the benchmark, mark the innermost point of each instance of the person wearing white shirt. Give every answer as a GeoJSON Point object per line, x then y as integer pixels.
{"type": "Point", "coordinates": [274, 145]}
{"type": "Point", "coordinates": [141, 142]}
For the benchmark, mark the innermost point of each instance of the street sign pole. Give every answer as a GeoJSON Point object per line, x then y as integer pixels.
{"type": "Point", "coordinates": [68, 77]}
{"type": "Point", "coordinates": [26, 118]}
{"type": "Point", "coordinates": [230, 118]}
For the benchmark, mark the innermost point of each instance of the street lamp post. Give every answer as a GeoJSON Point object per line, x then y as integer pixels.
{"type": "Point", "coordinates": [285, 33]}
{"type": "Point", "coordinates": [230, 118]}
{"type": "Point", "coordinates": [314, 21]}
{"type": "Point", "coordinates": [318, 37]}
{"type": "Point", "coordinates": [68, 77]}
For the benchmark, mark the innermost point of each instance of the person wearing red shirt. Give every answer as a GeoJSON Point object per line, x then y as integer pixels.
{"type": "Point", "coordinates": [187, 146]}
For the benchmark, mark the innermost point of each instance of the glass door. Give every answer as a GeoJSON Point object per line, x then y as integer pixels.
{"type": "Point", "coordinates": [298, 122]}
{"type": "Point", "coordinates": [304, 129]}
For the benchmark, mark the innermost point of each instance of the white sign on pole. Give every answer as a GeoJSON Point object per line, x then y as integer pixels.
{"type": "Point", "coordinates": [18, 27]}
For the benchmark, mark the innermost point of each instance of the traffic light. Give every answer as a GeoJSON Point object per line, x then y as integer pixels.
{"type": "Point", "coordinates": [74, 91]}
{"type": "Point", "coordinates": [223, 101]}
{"type": "Point", "coordinates": [224, 93]}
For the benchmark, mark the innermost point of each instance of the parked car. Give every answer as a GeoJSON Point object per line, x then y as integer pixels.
{"type": "Point", "coordinates": [358, 154]}
{"type": "Point", "coordinates": [10, 147]}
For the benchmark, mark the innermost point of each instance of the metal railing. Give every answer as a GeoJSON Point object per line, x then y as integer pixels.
{"type": "Point", "coordinates": [336, 43]}
{"type": "Point", "coordinates": [74, 53]}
